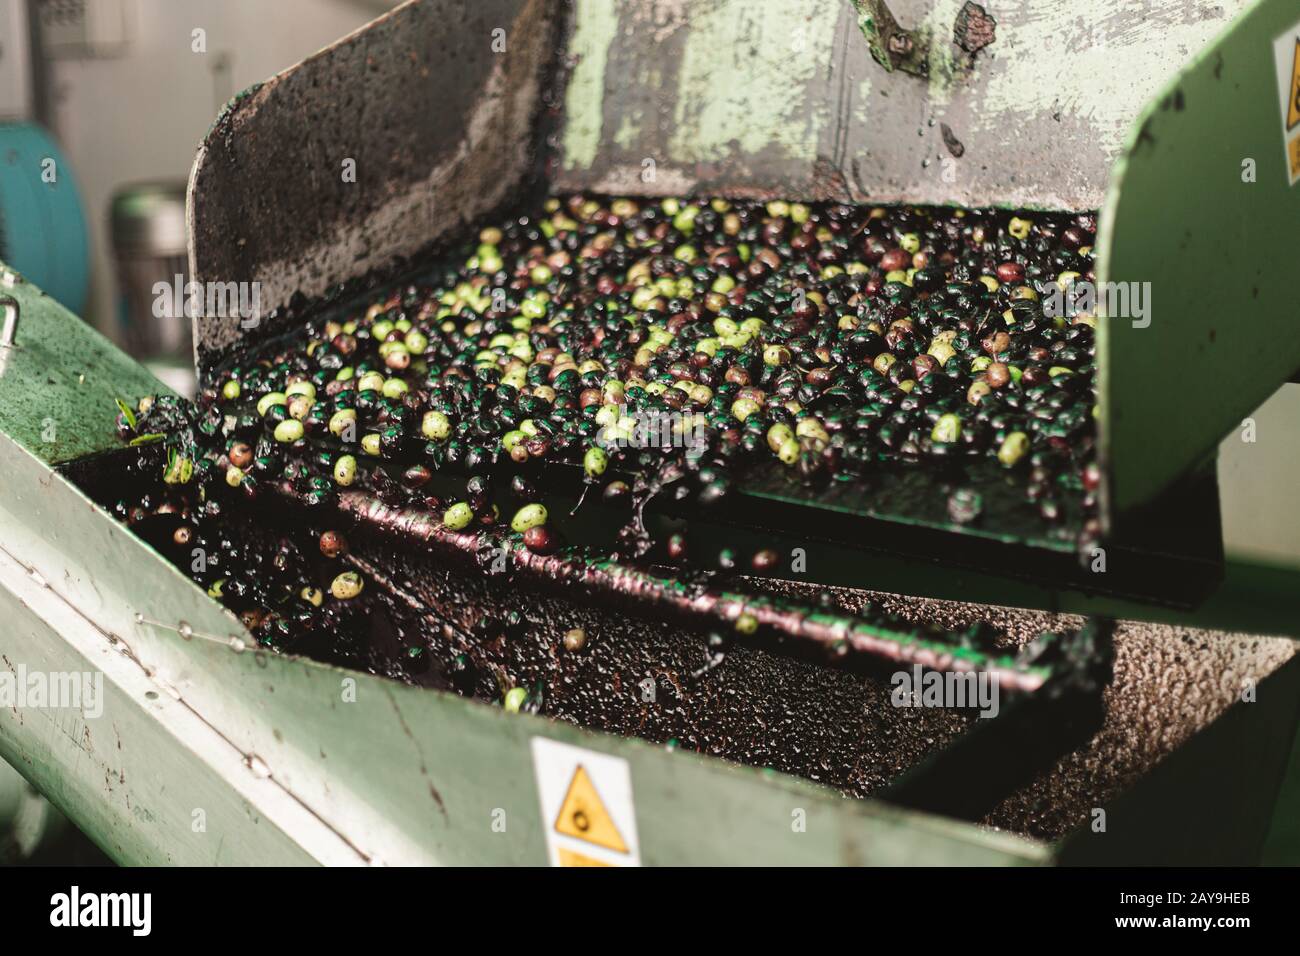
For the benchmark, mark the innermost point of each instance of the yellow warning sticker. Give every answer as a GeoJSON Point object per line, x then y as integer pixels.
{"type": "Point", "coordinates": [583, 815]}
{"type": "Point", "coordinates": [569, 858]}
{"type": "Point", "coordinates": [586, 802]}
{"type": "Point", "coordinates": [1293, 104]}
{"type": "Point", "coordinates": [1286, 56]}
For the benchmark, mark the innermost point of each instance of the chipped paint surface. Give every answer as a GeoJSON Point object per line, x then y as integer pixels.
{"type": "Point", "coordinates": [716, 94]}
{"type": "Point", "coordinates": [778, 46]}
{"type": "Point", "coordinates": [439, 128]}
{"type": "Point", "coordinates": [1055, 42]}
{"type": "Point", "coordinates": [619, 120]}
{"type": "Point", "coordinates": [593, 33]}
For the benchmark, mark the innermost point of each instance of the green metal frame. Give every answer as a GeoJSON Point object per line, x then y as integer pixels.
{"type": "Point", "coordinates": [285, 770]}
{"type": "Point", "coordinates": [765, 99]}
{"type": "Point", "coordinates": [1199, 207]}
{"type": "Point", "coordinates": [60, 381]}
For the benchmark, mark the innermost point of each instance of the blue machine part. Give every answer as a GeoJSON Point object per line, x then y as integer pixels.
{"type": "Point", "coordinates": [42, 227]}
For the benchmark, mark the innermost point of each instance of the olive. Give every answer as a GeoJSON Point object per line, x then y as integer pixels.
{"type": "Point", "coordinates": [540, 539]}
{"type": "Point", "coordinates": [835, 339]}
{"type": "Point", "coordinates": [333, 544]}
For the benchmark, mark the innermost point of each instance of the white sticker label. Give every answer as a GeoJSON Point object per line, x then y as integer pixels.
{"type": "Point", "coordinates": [1286, 54]}
{"type": "Point", "coordinates": [587, 810]}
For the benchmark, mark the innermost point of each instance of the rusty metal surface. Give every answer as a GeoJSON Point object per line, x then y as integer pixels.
{"type": "Point", "coordinates": [1016, 102]}
{"type": "Point", "coordinates": [439, 125]}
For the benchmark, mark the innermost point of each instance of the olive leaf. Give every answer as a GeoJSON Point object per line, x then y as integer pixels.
{"type": "Point", "coordinates": [127, 413]}
{"type": "Point", "coordinates": [148, 439]}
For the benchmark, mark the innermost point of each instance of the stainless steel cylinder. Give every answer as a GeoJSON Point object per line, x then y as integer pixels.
{"type": "Point", "coordinates": [147, 223]}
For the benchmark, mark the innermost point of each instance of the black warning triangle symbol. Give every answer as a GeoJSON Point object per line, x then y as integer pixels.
{"type": "Point", "coordinates": [583, 815]}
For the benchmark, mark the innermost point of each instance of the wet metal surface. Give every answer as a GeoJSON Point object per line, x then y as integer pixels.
{"type": "Point", "coordinates": [634, 677]}
{"type": "Point", "coordinates": [1169, 683]}
{"type": "Point", "coordinates": [440, 622]}
{"type": "Point", "coordinates": [368, 152]}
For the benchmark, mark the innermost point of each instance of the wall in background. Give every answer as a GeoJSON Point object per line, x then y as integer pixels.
{"type": "Point", "coordinates": [15, 62]}
{"type": "Point", "coordinates": [1259, 482]}
{"type": "Point", "coordinates": [140, 115]}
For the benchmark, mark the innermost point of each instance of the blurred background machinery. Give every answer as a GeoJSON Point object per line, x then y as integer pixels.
{"type": "Point", "coordinates": [117, 93]}
{"type": "Point", "coordinates": [147, 222]}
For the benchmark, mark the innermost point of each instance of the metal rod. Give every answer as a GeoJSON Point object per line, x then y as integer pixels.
{"type": "Point", "coordinates": [626, 584]}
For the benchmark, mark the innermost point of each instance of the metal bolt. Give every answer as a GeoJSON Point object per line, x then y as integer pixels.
{"type": "Point", "coordinates": [258, 766]}
{"type": "Point", "coordinates": [900, 44]}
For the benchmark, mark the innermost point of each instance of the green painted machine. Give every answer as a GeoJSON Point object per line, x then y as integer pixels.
{"type": "Point", "coordinates": [202, 748]}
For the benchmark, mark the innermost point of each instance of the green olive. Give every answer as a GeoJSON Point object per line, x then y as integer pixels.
{"type": "Point", "coordinates": [594, 462]}
{"type": "Point", "coordinates": [458, 516]}
{"type": "Point", "coordinates": [947, 429]}
{"type": "Point", "coordinates": [347, 585]}
{"type": "Point", "coordinates": [529, 516]}
{"type": "Point", "coordinates": [1014, 447]}
{"type": "Point", "coordinates": [776, 355]}
{"type": "Point", "coordinates": [343, 420]}
{"type": "Point", "coordinates": [435, 426]}
{"type": "Point", "coordinates": [370, 382]}
{"type": "Point", "coordinates": [266, 401]}
{"type": "Point", "coordinates": [515, 699]}
{"type": "Point", "coordinates": [289, 430]}
{"type": "Point", "coordinates": [345, 470]}
{"type": "Point", "coordinates": [778, 435]}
